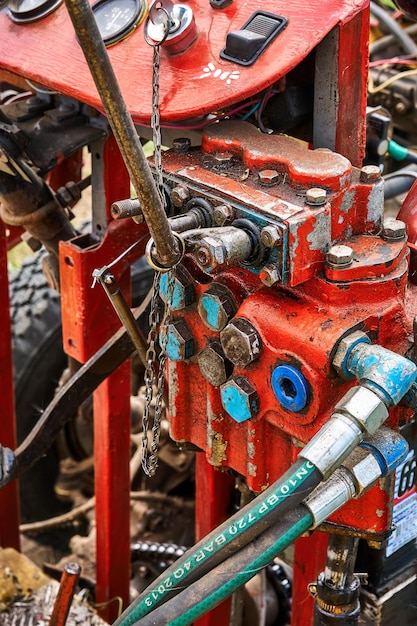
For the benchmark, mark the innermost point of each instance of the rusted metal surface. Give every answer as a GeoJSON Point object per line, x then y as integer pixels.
{"type": "Point", "coordinates": [63, 600]}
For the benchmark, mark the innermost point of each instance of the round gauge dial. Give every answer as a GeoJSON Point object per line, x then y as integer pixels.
{"type": "Point", "coordinates": [22, 11]}
{"type": "Point", "coordinates": [117, 18]}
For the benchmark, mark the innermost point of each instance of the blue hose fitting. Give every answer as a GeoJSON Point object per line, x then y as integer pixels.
{"type": "Point", "coordinates": [388, 447]}
{"type": "Point", "coordinates": [384, 372]}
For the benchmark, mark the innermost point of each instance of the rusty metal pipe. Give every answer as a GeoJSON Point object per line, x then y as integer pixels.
{"type": "Point", "coordinates": [124, 130]}
{"type": "Point", "coordinates": [69, 580]}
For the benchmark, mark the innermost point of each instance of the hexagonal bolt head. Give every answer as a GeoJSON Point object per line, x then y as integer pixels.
{"type": "Point", "coordinates": [213, 364]}
{"type": "Point", "coordinates": [179, 341]}
{"type": "Point", "coordinates": [181, 144]}
{"type": "Point", "coordinates": [239, 399]}
{"type": "Point", "coordinates": [344, 348]}
{"type": "Point", "coordinates": [222, 159]}
{"type": "Point", "coordinates": [316, 196]}
{"type": "Point", "coordinates": [211, 253]}
{"type": "Point", "coordinates": [271, 236]}
{"type": "Point", "coordinates": [365, 407]}
{"type": "Point", "coordinates": [180, 195]}
{"type": "Point", "coordinates": [269, 275]}
{"type": "Point", "coordinates": [224, 215]}
{"type": "Point", "coordinates": [370, 174]}
{"type": "Point", "coordinates": [240, 342]}
{"type": "Point", "coordinates": [393, 230]}
{"type": "Point", "coordinates": [183, 293]}
{"type": "Point", "coordinates": [339, 256]}
{"type": "Point", "coordinates": [269, 177]}
{"type": "Point", "coordinates": [217, 306]}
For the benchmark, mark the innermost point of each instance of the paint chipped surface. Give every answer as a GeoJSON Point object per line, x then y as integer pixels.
{"type": "Point", "coordinates": [218, 449]}
{"type": "Point", "coordinates": [251, 467]}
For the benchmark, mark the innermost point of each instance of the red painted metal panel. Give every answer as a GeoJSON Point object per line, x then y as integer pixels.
{"type": "Point", "coordinates": [9, 500]}
{"type": "Point", "coordinates": [192, 83]}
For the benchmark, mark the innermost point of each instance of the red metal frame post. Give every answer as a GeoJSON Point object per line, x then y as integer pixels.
{"type": "Point", "coordinates": [9, 495]}
{"type": "Point", "coordinates": [214, 493]}
{"type": "Point", "coordinates": [309, 560]}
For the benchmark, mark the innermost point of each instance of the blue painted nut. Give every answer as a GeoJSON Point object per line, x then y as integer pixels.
{"type": "Point", "coordinates": [241, 342]}
{"type": "Point", "coordinates": [290, 387]}
{"type": "Point", "coordinates": [239, 399]}
{"type": "Point", "coordinates": [183, 293]}
{"type": "Point", "coordinates": [217, 306]}
{"type": "Point", "coordinates": [179, 341]}
{"type": "Point", "coordinates": [213, 364]}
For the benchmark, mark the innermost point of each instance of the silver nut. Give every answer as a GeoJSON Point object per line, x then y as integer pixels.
{"type": "Point", "coordinates": [271, 236]}
{"type": "Point", "coordinates": [370, 174]}
{"type": "Point", "coordinates": [316, 196]}
{"type": "Point", "coordinates": [213, 364]}
{"type": "Point", "coordinates": [179, 196]}
{"type": "Point", "coordinates": [269, 177]}
{"type": "Point", "coordinates": [344, 348]}
{"type": "Point", "coordinates": [240, 342]}
{"type": "Point", "coordinates": [269, 275]}
{"type": "Point", "coordinates": [222, 159]}
{"type": "Point", "coordinates": [393, 229]}
{"type": "Point", "coordinates": [364, 469]}
{"type": "Point", "coordinates": [339, 256]}
{"type": "Point", "coordinates": [211, 253]}
{"type": "Point", "coordinates": [224, 215]}
{"type": "Point", "coordinates": [364, 406]}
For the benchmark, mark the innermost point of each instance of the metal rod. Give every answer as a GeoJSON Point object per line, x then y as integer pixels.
{"type": "Point", "coordinates": [69, 580]}
{"type": "Point", "coordinates": [112, 289]}
{"type": "Point", "coordinates": [124, 130]}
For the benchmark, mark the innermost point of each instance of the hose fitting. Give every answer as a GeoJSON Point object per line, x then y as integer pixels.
{"type": "Point", "coordinates": [359, 411]}
{"type": "Point", "coordinates": [376, 457]}
{"type": "Point", "coordinates": [388, 374]}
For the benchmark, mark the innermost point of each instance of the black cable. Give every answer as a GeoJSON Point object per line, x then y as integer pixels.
{"type": "Point", "coordinates": [388, 22]}
{"type": "Point", "coordinates": [380, 44]}
{"type": "Point", "coordinates": [400, 181]}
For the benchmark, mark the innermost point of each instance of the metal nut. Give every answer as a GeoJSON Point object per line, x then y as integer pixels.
{"type": "Point", "coordinates": [364, 467]}
{"type": "Point", "coordinates": [393, 229]}
{"type": "Point", "coordinates": [316, 196]}
{"type": "Point", "coordinates": [370, 174]}
{"type": "Point", "coordinates": [211, 253]}
{"type": "Point", "coordinates": [224, 214]}
{"type": "Point", "coordinates": [181, 144]}
{"type": "Point", "coordinates": [179, 341]}
{"type": "Point", "coordinates": [222, 159]}
{"type": "Point", "coordinates": [339, 256]}
{"type": "Point", "coordinates": [239, 399]}
{"type": "Point", "coordinates": [213, 364]}
{"type": "Point", "coordinates": [179, 196]}
{"type": "Point", "coordinates": [269, 177]}
{"type": "Point", "coordinates": [240, 342]}
{"type": "Point", "coordinates": [365, 407]}
{"type": "Point", "coordinates": [346, 344]}
{"type": "Point", "coordinates": [183, 293]}
{"type": "Point", "coordinates": [269, 275]}
{"type": "Point", "coordinates": [271, 236]}
{"type": "Point", "coordinates": [216, 306]}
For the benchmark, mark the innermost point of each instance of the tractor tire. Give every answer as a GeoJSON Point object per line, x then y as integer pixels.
{"type": "Point", "coordinates": [38, 363]}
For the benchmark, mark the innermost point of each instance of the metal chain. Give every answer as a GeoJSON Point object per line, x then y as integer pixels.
{"type": "Point", "coordinates": [150, 461]}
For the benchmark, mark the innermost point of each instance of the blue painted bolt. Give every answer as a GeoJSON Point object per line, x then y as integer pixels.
{"type": "Point", "coordinates": [183, 293]}
{"type": "Point", "coordinates": [290, 387]}
{"type": "Point", "coordinates": [179, 341]}
{"type": "Point", "coordinates": [216, 306]}
{"type": "Point", "coordinates": [239, 399]}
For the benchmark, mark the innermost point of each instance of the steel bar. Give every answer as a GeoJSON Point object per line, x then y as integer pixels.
{"type": "Point", "coordinates": [123, 129]}
{"type": "Point", "coordinates": [67, 585]}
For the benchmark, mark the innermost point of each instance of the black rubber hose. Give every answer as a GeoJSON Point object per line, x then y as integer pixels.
{"type": "Point", "coordinates": [385, 20]}
{"type": "Point", "coordinates": [400, 181]}
{"type": "Point", "coordinates": [239, 530]}
{"type": "Point", "coordinates": [380, 44]}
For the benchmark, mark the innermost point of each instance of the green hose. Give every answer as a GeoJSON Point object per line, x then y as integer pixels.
{"type": "Point", "coordinates": [245, 575]}
{"type": "Point", "coordinates": [229, 537]}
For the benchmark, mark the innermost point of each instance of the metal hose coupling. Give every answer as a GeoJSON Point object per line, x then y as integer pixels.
{"type": "Point", "coordinates": [360, 412]}
{"type": "Point", "coordinates": [374, 458]}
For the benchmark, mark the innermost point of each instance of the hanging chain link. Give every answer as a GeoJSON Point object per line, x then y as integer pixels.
{"type": "Point", "coordinates": [157, 326]}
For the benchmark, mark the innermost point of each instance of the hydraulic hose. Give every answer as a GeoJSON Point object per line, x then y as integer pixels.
{"type": "Point", "coordinates": [239, 530]}
{"type": "Point", "coordinates": [360, 412]}
{"type": "Point", "coordinates": [385, 19]}
{"type": "Point", "coordinates": [378, 457]}
{"type": "Point", "coordinates": [400, 181]}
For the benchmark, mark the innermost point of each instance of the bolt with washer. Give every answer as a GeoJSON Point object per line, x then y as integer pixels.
{"type": "Point", "coordinates": [370, 174]}
{"type": "Point", "coordinates": [271, 236]}
{"type": "Point", "coordinates": [269, 275]}
{"type": "Point", "coordinates": [393, 230]}
{"type": "Point", "coordinates": [339, 256]}
{"type": "Point", "coordinates": [316, 196]}
{"type": "Point", "coordinates": [179, 196]}
{"type": "Point", "coordinates": [224, 214]}
{"type": "Point", "coordinates": [269, 177]}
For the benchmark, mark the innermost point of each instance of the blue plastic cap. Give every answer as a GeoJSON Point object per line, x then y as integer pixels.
{"type": "Point", "coordinates": [290, 387]}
